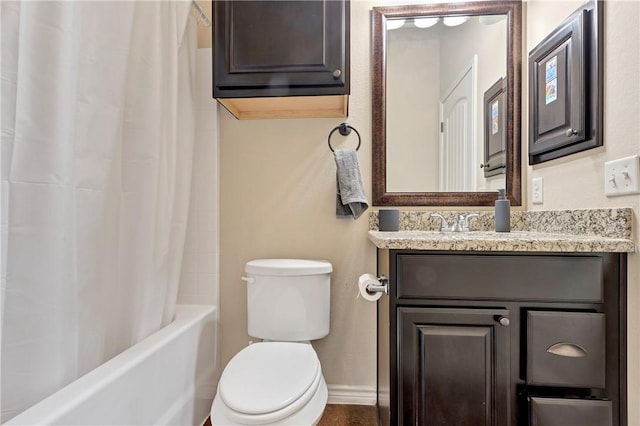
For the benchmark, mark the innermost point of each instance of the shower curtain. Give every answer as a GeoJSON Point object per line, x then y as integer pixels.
{"type": "Point", "coordinates": [97, 147]}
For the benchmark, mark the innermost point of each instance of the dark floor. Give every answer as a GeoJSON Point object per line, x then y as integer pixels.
{"type": "Point", "coordinates": [345, 415]}
{"type": "Point", "coordinates": [349, 415]}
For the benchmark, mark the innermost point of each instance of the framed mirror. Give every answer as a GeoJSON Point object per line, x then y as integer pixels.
{"type": "Point", "coordinates": [433, 66]}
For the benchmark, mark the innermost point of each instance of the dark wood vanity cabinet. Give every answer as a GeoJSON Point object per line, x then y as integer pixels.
{"type": "Point", "coordinates": [454, 366]}
{"type": "Point", "coordinates": [492, 338]}
{"type": "Point", "coordinates": [281, 48]}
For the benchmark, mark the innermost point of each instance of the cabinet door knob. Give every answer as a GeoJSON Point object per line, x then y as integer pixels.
{"type": "Point", "coordinates": [571, 132]}
{"type": "Point", "coordinates": [504, 321]}
{"type": "Point", "coordinates": [483, 165]}
{"type": "Point", "coordinates": [337, 74]}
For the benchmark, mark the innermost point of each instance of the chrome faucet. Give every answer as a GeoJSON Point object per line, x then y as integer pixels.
{"type": "Point", "coordinates": [460, 224]}
{"type": "Point", "coordinates": [444, 226]}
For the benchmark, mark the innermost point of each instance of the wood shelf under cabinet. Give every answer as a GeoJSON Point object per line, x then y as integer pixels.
{"type": "Point", "coordinates": [288, 107]}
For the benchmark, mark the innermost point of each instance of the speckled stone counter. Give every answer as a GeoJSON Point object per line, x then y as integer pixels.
{"type": "Point", "coordinates": [589, 230]}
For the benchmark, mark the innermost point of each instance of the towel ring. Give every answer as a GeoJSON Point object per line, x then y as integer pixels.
{"type": "Point", "coordinates": [345, 130]}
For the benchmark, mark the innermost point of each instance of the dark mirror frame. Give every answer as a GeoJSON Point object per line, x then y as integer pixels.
{"type": "Point", "coordinates": [513, 12]}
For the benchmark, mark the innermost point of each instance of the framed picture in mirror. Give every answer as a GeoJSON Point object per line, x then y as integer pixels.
{"type": "Point", "coordinates": [565, 87]}
{"type": "Point", "coordinates": [495, 142]}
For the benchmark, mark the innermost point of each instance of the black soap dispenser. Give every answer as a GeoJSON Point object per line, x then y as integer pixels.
{"type": "Point", "coordinates": [503, 212]}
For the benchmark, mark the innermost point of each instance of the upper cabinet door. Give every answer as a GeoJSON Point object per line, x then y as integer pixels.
{"type": "Point", "coordinates": [281, 48]}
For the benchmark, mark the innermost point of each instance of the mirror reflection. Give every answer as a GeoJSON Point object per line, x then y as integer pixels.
{"type": "Point", "coordinates": [446, 103]}
{"type": "Point", "coordinates": [438, 70]}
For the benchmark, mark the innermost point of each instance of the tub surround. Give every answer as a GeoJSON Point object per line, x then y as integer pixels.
{"type": "Point", "coordinates": [589, 230]}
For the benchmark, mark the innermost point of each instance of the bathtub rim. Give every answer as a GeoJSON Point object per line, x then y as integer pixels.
{"type": "Point", "coordinates": [85, 387]}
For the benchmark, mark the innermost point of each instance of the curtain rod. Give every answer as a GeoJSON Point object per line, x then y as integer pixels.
{"type": "Point", "coordinates": [201, 15]}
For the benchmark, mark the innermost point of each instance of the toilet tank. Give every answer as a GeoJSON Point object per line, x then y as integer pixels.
{"type": "Point", "coordinates": [288, 299]}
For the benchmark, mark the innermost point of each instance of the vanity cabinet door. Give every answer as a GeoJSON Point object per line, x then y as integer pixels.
{"type": "Point", "coordinates": [453, 366]}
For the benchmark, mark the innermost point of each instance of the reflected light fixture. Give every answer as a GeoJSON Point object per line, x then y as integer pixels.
{"type": "Point", "coordinates": [491, 19]}
{"type": "Point", "coordinates": [452, 21]}
{"type": "Point", "coordinates": [394, 24]}
{"type": "Point", "coordinates": [425, 22]}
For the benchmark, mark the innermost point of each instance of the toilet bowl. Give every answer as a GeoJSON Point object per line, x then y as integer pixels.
{"type": "Point", "coordinates": [279, 380]}
{"type": "Point", "coordinates": [271, 383]}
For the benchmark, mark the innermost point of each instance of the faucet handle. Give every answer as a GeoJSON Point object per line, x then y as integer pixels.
{"type": "Point", "coordinates": [463, 221]}
{"type": "Point", "coordinates": [444, 226]}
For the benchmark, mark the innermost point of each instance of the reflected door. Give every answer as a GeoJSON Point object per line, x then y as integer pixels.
{"type": "Point", "coordinates": [457, 154]}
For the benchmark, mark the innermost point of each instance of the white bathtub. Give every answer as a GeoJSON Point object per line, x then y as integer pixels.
{"type": "Point", "coordinates": [169, 378]}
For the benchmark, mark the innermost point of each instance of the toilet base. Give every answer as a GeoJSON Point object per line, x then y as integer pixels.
{"type": "Point", "coordinates": [309, 415]}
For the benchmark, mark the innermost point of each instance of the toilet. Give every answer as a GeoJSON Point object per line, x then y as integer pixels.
{"type": "Point", "coordinates": [278, 380]}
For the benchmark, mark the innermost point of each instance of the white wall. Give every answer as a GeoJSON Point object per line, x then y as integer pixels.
{"type": "Point", "coordinates": [577, 181]}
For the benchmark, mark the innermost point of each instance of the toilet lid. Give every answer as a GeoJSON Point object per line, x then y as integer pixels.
{"type": "Point", "coordinates": [268, 376]}
{"type": "Point", "coordinates": [287, 267]}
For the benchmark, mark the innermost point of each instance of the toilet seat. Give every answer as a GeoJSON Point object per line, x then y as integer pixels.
{"type": "Point", "coordinates": [269, 381]}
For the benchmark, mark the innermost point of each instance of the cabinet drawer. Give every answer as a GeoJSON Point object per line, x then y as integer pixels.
{"type": "Point", "coordinates": [500, 277]}
{"type": "Point", "coordinates": [563, 412]}
{"type": "Point", "coordinates": [566, 349]}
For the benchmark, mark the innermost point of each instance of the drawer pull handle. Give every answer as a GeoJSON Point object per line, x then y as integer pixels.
{"type": "Point", "coordinates": [567, 349]}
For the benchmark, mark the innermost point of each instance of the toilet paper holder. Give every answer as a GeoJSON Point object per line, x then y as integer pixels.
{"type": "Point", "coordinates": [383, 287]}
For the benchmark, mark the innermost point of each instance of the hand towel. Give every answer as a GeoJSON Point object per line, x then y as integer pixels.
{"type": "Point", "coordinates": [350, 197]}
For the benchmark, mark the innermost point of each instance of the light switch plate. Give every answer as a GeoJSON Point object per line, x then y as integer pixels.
{"type": "Point", "coordinates": [621, 176]}
{"type": "Point", "coordinates": [536, 190]}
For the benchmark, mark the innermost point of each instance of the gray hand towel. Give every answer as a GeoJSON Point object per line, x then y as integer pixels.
{"type": "Point", "coordinates": [350, 198]}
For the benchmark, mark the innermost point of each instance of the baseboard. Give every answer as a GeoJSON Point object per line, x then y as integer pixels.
{"type": "Point", "coordinates": [352, 395]}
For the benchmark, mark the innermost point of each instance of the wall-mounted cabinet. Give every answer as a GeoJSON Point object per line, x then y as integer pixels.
{"type": "Point", "coordinates": [566, 87]}
{"type": "Point", "coordinates": [282, 58]}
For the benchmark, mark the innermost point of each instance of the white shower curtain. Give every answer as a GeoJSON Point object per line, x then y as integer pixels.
{"type": "Point", "coordinates": [97, 146]}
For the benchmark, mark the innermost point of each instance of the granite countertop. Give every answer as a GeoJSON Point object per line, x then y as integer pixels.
{"type": "Point", "coordinates": [588, 230]}
{"type": "Point", "coordinates": [499, 241]}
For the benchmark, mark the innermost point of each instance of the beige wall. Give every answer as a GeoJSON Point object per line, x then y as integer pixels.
{"type": "Point", "coordinates": [204, 33]}
{"type": "Point", "coordinates": [577, 181]}
{"type": "Point", "coordinates": [277, 199]}
{"type": "Point", "coordinates": [413, 110]}
{"type": "Point", "coordinates": [278, 189]}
